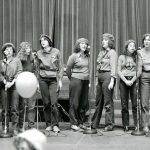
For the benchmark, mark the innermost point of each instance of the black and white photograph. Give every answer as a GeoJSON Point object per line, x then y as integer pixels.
{"type": "Point", "coordinates": [74, 74]}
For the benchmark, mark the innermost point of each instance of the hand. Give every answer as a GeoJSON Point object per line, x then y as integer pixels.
{"type": "Point", "coordinates": [128, 82]}
{"type": "Point", "coordinates": [111, 85]}
{"type": "Point", "coordinates": [59, 85]}
{"type": "Point", "coordinates": [9, 84]}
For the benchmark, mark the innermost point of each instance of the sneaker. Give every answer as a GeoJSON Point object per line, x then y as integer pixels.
{"type": "Point", "coordinates": [126, 129]}
{"type": "Point", "coordinates": [135, 128]}
{"type": "Point", "coordinates": [21, 130]}
{"type": "Point", "coordinates": [15, 132]}
{"type": "Point", "coordinates": [49, 128]}
{"type": "Point", "coordinates": [146, 129]}
{"type": "Point", "coordinates": [56, 129]}
{"type": "Point", "coordinates": [82, 126]}
{"type": "Point", "coordinates": [75, 127]}
{"type": "Point", "coordinates": [108, 128]}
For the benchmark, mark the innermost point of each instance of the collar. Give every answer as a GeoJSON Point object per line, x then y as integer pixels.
{"type": "Point", "coordinates": [48, 52]}
{"type": "Point", "coordinates": [7, 62]}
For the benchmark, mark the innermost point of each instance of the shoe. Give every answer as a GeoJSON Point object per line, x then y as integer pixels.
{"type": "Point", "coordinates": [82, 126]}
{"type": "Point", "coordinates": [21, 130]}
{"type": "Point", "coordinates": [15, 132]}
{"type": "Point", "coordinates": [146, 129]}
{"type": "Point", "coordinates": [108, 128]}
{"type": "Point", "coordinates": [49, 128]}
{"type": "Point", "coordinates": [4, 131]}
{"type": "Point", "coordinates": [56, 129]}
{"type": "Point", "coordinates": [126, 128]}
{"type": "Point", "coordinates": [135, 128]}
{"type": "Point", "coordinates": [75, 127]}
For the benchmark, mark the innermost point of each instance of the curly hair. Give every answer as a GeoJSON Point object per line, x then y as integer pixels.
{"type": "Point", "coordinates": [111, 40]}
{"type": "Point", "coordinates": [77, 44]}
{"type": "Point", "coordinates": [22, 51]}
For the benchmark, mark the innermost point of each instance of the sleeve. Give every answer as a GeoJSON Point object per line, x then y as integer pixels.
{"type": "Point", "coordinates": [1, 75]}
{"type": "Point", "coordinates": [70, 65]}
{"type": "Point", "coordinates": [61, 66]}
{"type": "Point", "coordinates": [120, 60]}
{"type": "Point", "coordinates": [113, 63]}
{"type": "Point", "coordinates": [19, 68]}
{"type": "Point", "coordinates": [140, 63]}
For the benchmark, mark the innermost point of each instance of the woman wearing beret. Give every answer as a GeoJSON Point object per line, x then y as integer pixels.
{"type": "Point", "coordinates": [129, 71]}
{"type": "Point", "coordinates": [107, 71]}
{"type": "Point", "coordinates": [11, 67]}
{"type": "Point", "coordinates": [50, 80]}
{"type": "Point", "coordinates": [78, 73]}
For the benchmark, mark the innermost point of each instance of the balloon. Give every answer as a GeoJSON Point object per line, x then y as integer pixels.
{"type": "Point", "coordinates": [26, 84]}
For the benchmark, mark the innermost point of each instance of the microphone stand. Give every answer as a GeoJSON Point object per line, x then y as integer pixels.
{"type": "Point", "coordinates": [90, 130]}
{"type": "Point", "coordinates": [5, 133]}
{"type": "Point", "coordinates": [138, 131]}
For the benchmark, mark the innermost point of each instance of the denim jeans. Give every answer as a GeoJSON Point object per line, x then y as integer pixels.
{"type": "Point", "coordinates": [78, 94]}
{"type": "Point", "coordinates": [104, 97]}
{"type": "Point", "coordinates": [10, 100]}
{"type": "Point", "coordinates": [30, 111]}
{"type": "Point", "coordinates": [124, 94]}
{"type": "Point", "coordinates": [48, 87]}
{"type": "Point", "coordinates": [145, 95]}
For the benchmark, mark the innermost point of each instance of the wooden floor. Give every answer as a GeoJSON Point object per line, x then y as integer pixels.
{"type": "Point", "coordinates": [70, 140]}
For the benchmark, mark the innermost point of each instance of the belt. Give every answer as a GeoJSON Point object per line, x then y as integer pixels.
{"type": "Point", "coordinates": [148, 71]}
{"type": "Point", "coordinates": [103, 71]}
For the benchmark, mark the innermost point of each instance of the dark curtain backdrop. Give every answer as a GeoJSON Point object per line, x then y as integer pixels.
{"type": "Point", "coordinates": [67, 20]}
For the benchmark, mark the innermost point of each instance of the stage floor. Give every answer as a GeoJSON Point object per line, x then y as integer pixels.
{"type": "Point", "coordinates": [70, 140]}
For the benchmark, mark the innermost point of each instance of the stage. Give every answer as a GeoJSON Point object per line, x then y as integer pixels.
{"type": "Point", "coordinates": [70, 140]}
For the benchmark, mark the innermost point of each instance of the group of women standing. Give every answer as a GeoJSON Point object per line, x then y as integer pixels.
{"type": "Point", "coordinates": [132, 67]}
{"type": "Point", "coordinates": [47, 64]}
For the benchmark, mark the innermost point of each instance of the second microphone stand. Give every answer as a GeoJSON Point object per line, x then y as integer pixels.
{"type": "Point", "coordinates": [138, 132]}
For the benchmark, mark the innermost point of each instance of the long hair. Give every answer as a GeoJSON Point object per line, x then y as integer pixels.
{"type": "Point", "coordinates": [125, 52]}
{"type": "Point", "coordinates": [77, 46]}
{"type": "Point", "coordinates": [111, 40]}
{"type": "Point", "coordinates": [22, 52]}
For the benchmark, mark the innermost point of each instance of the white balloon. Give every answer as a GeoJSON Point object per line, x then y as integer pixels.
{"type": "Point", "coordinates": [26, 84]}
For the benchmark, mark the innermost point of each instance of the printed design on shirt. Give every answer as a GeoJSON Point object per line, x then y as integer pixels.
{"type": "Point", "coordinates": [129, 63]}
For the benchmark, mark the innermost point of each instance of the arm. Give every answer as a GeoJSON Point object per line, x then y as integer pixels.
{"type": "Point", "coordinates": [120, 60]}
{"type": "Point", "coordinates": [139, 68]}
{"type": "Point", "coordinates": [70, 65]}
{"type": "Point", "coordinates": [61, 67]}
{"type": "Point", "coordinates": [113, 66]}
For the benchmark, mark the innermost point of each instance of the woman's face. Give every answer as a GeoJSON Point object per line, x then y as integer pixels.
{"type": "Point", "coordinates": [8, 52]}
{"type": "Point", "coordinates": [44, 42]}
{"type": "Point", "coordinates": [27, 50]}
{"type": "Point", "coordinates": [83, 46]}
{"type": "Point", "coordinates": [105, 42]}
{"type": "Point", "coordinates": [131, 47]}
{"type": "Point", "coordinates": [147, 41]}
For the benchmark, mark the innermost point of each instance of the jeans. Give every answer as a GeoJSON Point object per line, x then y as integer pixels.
{"type": "Point", "coordinates": [30, 111]}
{"type": "Point", "coordinates": [10, 99]}
{"type": "Point", "coordinates": [104, 97]}
{"type": "Point", "coordinates": [78, 94]}
{"type": "Point", "coordinates": [124, 94]}
{"type": "Point", "coordinates": [48, 87]}
{"type": "Point", "coordinates": [145, 95]}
